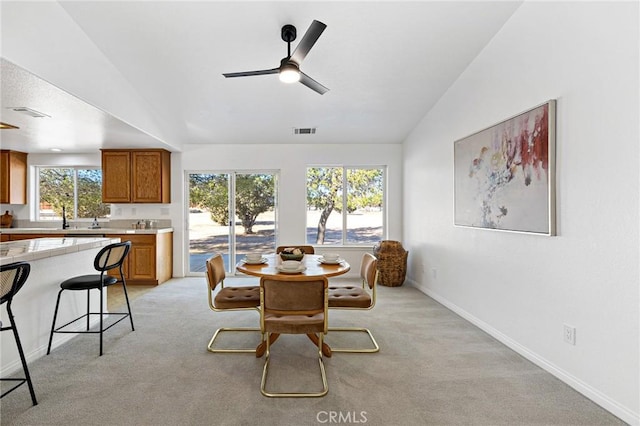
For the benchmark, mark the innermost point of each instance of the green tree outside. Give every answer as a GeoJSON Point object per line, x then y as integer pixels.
{"type": "Point", "coordinates": [57, 189]}
{"type": "Point", "coordinates": [255, 194]}
{"type": "Point", "coordinates": [90, 203]}
{"type": "Point", "coordinates": [325, 192]}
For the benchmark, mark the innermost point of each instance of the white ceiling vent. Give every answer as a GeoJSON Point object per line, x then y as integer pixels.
{"type": "Point", "coordinates": [304, 130]}
{"type": "Point", "coordinates": [30, 112]}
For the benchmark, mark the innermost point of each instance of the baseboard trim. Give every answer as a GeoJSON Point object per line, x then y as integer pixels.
{"type": "Point", "coordinates": [588, 391]}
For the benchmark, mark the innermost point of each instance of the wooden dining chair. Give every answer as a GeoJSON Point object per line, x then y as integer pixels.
{"type": "Point", "coordinates": [295, 304]}
{"type": "Point", "coordinates": [229, 299]}
{"type": "Point", "coordinates": [305, 249]}
{"type": "Point", "coordinates": [357, 298]}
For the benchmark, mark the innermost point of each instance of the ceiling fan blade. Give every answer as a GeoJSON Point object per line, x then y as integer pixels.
{"type": "Point", "coordinates": [312, 84]}
{"type": "Point", "coordinates": [250, 73]}
{"type": "Point", "coordinates": [308, 40]}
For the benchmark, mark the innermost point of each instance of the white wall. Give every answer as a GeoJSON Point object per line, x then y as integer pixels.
{"type": "Point", "coordinates": [523, 288]}
{"type": "Point", "coordinates": [37, 36]}
{"type": "Point", "coordinates": [291, 162]}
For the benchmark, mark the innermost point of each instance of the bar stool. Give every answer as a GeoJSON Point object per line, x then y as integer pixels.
{"type": "Point", "coordinates": [12, 278]}
{"type": "Point", "coordinates": [110, 257]}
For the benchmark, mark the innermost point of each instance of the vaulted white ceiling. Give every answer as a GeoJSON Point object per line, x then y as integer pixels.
{"type": "Point", "coordinates": [150, 73]}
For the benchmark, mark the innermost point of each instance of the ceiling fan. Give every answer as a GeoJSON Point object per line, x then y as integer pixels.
{"type": "Point", "coordinates": [289, 69]}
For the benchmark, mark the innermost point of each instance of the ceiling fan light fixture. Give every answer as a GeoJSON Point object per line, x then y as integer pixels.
{"type": "Point", "coordinates": [289, 69]}
{"type": "Point", "coordinates": [289, 73]}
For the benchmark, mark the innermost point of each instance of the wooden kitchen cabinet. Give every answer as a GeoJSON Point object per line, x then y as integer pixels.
{"type": "Point", "coordinates": [116, 176]}
{"type": "Point", "coordinates": [150, 260]}
{"type": "Point", "coordinates": [136, 176]}
{"type": "Point", "coordinates": [13, 177]}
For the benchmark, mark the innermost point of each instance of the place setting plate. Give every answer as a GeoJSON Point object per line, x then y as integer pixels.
{"type": "Point", "coordinates": [330, 262]}
{"type": "Point", "coordinates": [291, 271]}
{"type": "Point", "coordinates": [259, 262]}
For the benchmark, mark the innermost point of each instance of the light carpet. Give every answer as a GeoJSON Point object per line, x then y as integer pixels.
{"type": "Point", "coordinates": [434, 368]}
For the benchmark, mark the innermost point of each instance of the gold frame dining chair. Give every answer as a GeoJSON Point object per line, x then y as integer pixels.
{"type": "Point", "coordinates": [296, 304]}
{"type": "Point", "coordinates": [229, 299]}
{"type": "Point", "coordinates": [305, 249]}
{"type": "Point", "coordinates": [357, 298]}
{"type": "Point", "coordinates": [12, 277]}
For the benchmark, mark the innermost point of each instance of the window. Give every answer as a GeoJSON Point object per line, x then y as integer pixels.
{"type": "Point", "coordinates": [78, 190]}
{"type": "Point", "coordinates": [345, 205]}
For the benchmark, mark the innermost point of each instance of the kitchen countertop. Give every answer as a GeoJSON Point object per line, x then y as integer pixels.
{"type": "Point", "coordinates": [39, 248]}
{"type": "Point", "coordinates": [82, 231]}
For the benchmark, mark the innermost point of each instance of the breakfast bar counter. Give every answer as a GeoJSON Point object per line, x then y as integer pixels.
{"type": "Point", "coordinates": [96, 232]}
{"type": "Point", "coordinates": [52, 261]}
{"type": "Point", "coordinates": [39, 248]}
{"type": "Point", "coordinates": [150, 260]}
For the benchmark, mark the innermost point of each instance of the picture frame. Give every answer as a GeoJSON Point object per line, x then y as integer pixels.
{"type": "Point", "coordinates": [504, 175]}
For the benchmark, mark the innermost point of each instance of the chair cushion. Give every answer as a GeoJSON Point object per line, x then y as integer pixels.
{"type": "Point", "coordinates": [294, 324]}
{"type": "Point", "coordinates": [86, 282]}
{"type": "Point", "coordinates": [349, 297]}
{"type": "Point", "coordinates": [237, 297]}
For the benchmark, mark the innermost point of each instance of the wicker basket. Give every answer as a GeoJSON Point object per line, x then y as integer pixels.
{"type": "Point", "coordinates": [392, 263]}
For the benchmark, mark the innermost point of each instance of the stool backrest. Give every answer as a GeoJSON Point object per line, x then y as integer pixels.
{"type": "Point", "coordinates": [112, 256]}
{"type": "Point", "coordinates": [12, 278]}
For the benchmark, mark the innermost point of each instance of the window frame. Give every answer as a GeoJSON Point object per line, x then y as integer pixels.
{"type": "Point", "coordinates": [74, 210]}
{"type": "Point", "coordinates": [345, 187]}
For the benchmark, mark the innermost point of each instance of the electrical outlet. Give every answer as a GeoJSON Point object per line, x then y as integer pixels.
{"type": "Point", "coordinates": [434, 273]}
{"type": "Point", "coordinates": [569, 334]}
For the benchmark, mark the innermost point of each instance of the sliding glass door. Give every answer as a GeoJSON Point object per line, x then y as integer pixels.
{"type": "Point", "coordinates": [231, 213]}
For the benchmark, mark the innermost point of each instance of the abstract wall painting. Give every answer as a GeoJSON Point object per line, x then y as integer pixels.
{"type": "Point", "coordinates": [505, 175]}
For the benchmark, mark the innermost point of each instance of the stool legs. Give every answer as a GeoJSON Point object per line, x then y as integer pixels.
{"type": "Point", "coordinates": [126, 297]}
{"type": "Point", "coordinates": [53, 324]}
{"type": "Point", "coordinates": [23, 360]}
{"type": "Point", "coordinates": [101, 314]}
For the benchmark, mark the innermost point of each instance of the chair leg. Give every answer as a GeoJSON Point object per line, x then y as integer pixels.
{"type": "Point", "coordinates": [23, 360]}
{"type": "Point", "coordinates": [88, 310]}
{"type": "Point", "coordinates": [24, 363]}
{"type": "Point", "coordinates": [126, 297]}
{"type": "Point", "coordinates": [101, 317]}
{"type": "Point", "coordinates": [101, 313]}
{"type": "Point", "coordinates": [375, 348]}
{"type": "Point", "coordinates": [53, 325]}
{"type": "Point", "coordinates": [265, 372]}
{"type": "Point", "coordinates": [211, 348]}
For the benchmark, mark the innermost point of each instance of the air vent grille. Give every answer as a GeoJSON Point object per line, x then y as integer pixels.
{"type": "Point", "coordinates": [30, 112]}
{"type": "Point", "coordinates": [304, 130]}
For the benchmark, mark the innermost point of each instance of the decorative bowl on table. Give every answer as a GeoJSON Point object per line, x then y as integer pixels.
{"type": "Point", "coordinates": [292, 253]}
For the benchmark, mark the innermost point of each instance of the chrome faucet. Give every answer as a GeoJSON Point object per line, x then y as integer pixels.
{"type": "Point", "coordinates": [65, 224]}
